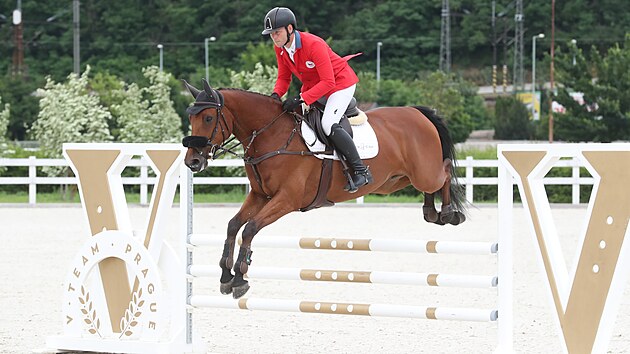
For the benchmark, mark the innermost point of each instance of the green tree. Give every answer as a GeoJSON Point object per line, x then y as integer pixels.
{"type": "Point", "coordinates": [69, 114]}
{"type": "Point", "coordinates": [604, 80]}
{"type": "Point", "coordinates": [441, 92]}
{"type": "Point", "coordinates": [511, 119]}
{"type": "Point", "coordinates": [366, 88]}
{"type": "Point", "coordinates": [262, 53]}
{"type": "Point", "coordinates": [4, 120]}
{"type": "Point", "coordinates": [261, 80]}
{"type": "Point", "coordinates": [24, 105]}
{"type": "Point", "coordinates": [146, 115]}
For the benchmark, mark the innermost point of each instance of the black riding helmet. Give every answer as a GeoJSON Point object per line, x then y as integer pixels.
{"type": "Point", "coordinates": [278, 17]}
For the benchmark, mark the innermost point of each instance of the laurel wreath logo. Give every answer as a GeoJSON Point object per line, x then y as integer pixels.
{"type": "Point", "coordinates": [129, 321]}
{"type": "Point", "coordinates": [93, 322]}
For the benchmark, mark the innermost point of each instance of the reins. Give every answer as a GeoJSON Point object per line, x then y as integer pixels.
{"type": "Point", "coordinates": [218, 150]}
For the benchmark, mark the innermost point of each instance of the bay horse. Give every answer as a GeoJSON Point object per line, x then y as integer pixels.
{"type": "Point", "coordinates": [415, 148]}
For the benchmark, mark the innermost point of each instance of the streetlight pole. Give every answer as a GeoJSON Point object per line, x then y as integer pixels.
{"type": "Point", "coordinates": [161, 48]}
{"type": "Point", "coordinates": [378, 64]}
{"type": "Point", "coordinates": [205, 41]}
{"type": "Point", "coordinates": [540, 35]}
{"type": "Point", "coordinates": [574, 42]}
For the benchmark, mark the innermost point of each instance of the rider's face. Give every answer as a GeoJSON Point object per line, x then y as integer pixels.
{"type": "Point", "coordinates": [279, 37]}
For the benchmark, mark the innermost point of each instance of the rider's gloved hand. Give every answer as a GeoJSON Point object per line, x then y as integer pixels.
{"type": "Point", "coordinates": [275, 96]}
{"type": "Point", "coordinates": [291, 103]}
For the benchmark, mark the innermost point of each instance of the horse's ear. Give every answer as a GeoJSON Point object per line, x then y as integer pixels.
{"type": "Point", "coordinates": [193, 91]}
{"type": "Point", "coordinates": [206, 86]}
{"type": "Point", "coordinates": [210, 91]}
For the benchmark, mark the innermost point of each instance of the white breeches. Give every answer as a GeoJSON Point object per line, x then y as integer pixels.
{"type": "Point", "coordinates": [336, 106]}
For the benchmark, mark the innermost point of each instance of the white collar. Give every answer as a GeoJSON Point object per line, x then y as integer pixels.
{"type": "Point", "coordinates": [291, 49]}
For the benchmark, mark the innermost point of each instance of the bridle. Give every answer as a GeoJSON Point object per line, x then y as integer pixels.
{"type": "Point", "coordinates": [217, 150]}
{"type": "Point", "coordinates": [198, 142]}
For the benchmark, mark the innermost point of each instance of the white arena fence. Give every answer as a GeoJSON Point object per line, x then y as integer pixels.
{"type": "Point", "coordinates": [467, 179]}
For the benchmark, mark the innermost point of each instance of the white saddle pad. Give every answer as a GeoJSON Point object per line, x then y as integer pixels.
{"type": "Point", "coordinates": [363, 136]}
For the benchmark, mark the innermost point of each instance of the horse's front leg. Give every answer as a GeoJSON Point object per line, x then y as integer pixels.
{"type": "Point", "coordinates": [276, 208]}
{"type": "Point", "coordinates": [251, 206]}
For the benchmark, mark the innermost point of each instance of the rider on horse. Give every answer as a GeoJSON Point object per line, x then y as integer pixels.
{"type": "Point", "coordinates": [323, 73]}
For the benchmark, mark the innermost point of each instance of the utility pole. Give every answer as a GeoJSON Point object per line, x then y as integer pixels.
{"type": "Point", "coordinates": [76, 37]}
{"type": "Point", "coordinates": [519, 80]}
{"type": "Point", "coordinates": [445, 38]}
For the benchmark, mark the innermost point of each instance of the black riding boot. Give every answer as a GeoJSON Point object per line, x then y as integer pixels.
{"type": "Point", "coordinates": [345, 146]}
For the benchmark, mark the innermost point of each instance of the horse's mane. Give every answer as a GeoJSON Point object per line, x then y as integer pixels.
{"type": "Point", "coordinates": [243, 90]}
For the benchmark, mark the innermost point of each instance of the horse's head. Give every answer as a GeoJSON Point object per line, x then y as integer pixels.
{"type": "Point", "coordinates": [208, 125]}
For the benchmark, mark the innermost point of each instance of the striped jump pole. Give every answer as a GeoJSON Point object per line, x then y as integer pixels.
{"type": "Point", "coordinates": [346, 244]}
{"type": "Point", "coordinates": [345, 276]}
{"type": "Point", "coordinates": [333, 308]}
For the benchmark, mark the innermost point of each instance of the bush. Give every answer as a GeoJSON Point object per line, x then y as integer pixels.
{"type": "Point", "coordinates": [511, 119]}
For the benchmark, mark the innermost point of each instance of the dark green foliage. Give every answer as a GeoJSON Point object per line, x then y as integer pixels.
{"type": "Point", "coordinates": [605, 82]}
{"type": "Point", "coordinates": [511, 119]}
{"type": "Point", "coordinates": [121, 37]}
{"type": "Point", "coordinates": [24, 105]}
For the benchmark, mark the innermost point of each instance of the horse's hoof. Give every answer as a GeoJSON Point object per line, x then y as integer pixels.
{"type": "Point", "coordinates": [447, 217]}
{"type": "Point", "coordinates": [438, 220]}
{"type": "Point", "coordinates": [240, 290]}
{"type": "Point", "coordinates": [457, 218]}
{"type": "Point", "coordinates": [430, 214]}
{"type": "Point", "coordinates": [226, 288]}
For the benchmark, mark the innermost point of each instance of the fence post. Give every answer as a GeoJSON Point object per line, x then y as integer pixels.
{"type": "Point", "coordinates": [469, 178]}
{"type": "Point", "coordinates": [575, 186]}
{"type": "Point", "coordinates": [32, 183]}
{"type": "Point", "coordinates": [143, 182]}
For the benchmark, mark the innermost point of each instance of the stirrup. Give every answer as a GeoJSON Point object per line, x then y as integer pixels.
{"type": "Point", "coordinates": [352, 186]}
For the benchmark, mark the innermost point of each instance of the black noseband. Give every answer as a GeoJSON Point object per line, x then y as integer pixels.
{"type": "Point", "coordinates": [195, 141]}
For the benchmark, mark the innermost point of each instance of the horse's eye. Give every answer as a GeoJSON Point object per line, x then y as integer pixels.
{"type": "Point", "coordinates": [208, 119]}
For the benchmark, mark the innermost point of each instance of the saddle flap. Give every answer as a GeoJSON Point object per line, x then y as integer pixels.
{"type": "Point", "coordinates": [351, 111]}
{"type": "Point", "coordinates": [314, 120]}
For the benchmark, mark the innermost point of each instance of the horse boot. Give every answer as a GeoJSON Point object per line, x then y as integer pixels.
{"type": "Point", "coordinates": [345, 146]}
{"type": "Point", "coordinates": [240, 285]}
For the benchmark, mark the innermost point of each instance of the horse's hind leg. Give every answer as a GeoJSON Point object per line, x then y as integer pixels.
{"type": "Point", "coordinates": [448, 215]}
{"type": "Point", "coordinates": [251, 206]}
{"type": "Point", "coordinates": [428, 208]}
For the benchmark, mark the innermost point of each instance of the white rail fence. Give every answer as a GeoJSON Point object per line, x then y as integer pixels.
{"type": "Point", "coordinates": [468, 179]}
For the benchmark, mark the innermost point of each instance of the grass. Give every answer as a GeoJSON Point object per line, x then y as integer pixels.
{"type": "Point", "coordinates": [134, 198]}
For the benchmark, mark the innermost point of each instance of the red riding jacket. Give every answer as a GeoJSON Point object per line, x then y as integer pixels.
{"type": "Point", "coordinates": [321, 71]}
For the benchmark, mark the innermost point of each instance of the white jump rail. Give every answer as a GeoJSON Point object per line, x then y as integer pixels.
{"type": "Point", "coordinates": [191, 241]}
{"type": "Point", "coordinates": [333, 308]}
{"type": "Point", "coordinates": [345, 244]}
{"type": "Point", "coordinates": [353, 276]}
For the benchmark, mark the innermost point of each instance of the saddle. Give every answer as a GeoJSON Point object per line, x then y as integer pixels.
{"type": "Point", "coordinates": [314, 120]}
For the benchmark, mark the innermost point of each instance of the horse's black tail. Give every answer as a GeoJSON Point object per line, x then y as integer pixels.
{"type": "Point", "coordinates": [458, 195]}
